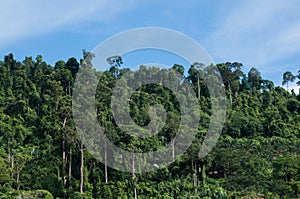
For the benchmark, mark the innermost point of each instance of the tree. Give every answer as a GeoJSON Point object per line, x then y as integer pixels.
{"type": "Point", "coordinates": [115, 62]}
{"type": "Point", "coordinates": [287, 77]}
{"type": "Point", "coordinates": [257, 154]}
{"type": "Point", "coordinates": [22, 155]}
{"type": "Point", "coordinates": [179, 68]}
{"type": "Point", "coordinates": [267, 84]}
{"type": "Point", "coordinates": [298, 76]}
{"type": "Point", "coordinates": [254, 79]}
{"type": "Point", "coordinates": [4, 167]}
{"type": "Point", "coordinates": [231, 73]}
{"type": "Point", "coordinates": [83, 110]}
{"type": "Point", "coordinates": [196, 76]}
{"type": "Point", "coordinates": [72, 65]}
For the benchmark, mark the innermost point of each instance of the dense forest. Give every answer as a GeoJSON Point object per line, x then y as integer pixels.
{"type": "Point", "coordinates": [42, 156]}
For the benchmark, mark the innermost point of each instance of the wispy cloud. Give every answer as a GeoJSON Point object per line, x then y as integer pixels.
{"type": "Point", "coordinates": [257, 33]}
{"type": "Point", "coordinates": [21, 19]}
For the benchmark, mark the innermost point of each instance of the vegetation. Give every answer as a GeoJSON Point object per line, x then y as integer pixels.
{"type": "Point", "coordinates": [257, 155]}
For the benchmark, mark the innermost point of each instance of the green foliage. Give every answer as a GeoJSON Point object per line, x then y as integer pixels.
{"type": "Point", "coordinates": [42, 194]}
{"type": "Point", "coordinates": [258, 154]}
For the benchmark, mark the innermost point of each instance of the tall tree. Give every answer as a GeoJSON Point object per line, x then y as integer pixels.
{"type": "Point", "coordinates": [82, 108]}
{"type": "Point", "coordinates": [196, 76]}
{"type": "Point", "coordinates": [231, 73]}
{"type": "Point", "coordinates": [115, 62]}
{"type": "Point", "coordinates": [287, 77]}
{"type": "Point", "coordinates": [72, 65]}
{"type": "Point", "coordinates": [254, 79]}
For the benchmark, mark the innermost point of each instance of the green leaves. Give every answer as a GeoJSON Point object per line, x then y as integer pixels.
{"type": "Point", "coordinates": [288, 77]}
{"type": "Point", "coordinates": [257, 155]}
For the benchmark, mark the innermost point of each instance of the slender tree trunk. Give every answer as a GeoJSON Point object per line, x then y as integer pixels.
{"type": "Point", "coordinates": [12, 165]}
{"type": "Point", "coordinates": [134, 178]}
{"type": "Point", "coordinates": [203, 174]}
{"type": "Point", "coordinates": [105, 163]}
{"type": "Point", "coordinates": [70, 166]}
{"type": "Point", "coordinates": [81, 169]}
{"type": "Point", "coordinates": [64, 154]}
{"type": "Point", "coordinates": [198, 86]}
{"type": "Point", "coordinates": [195, 177]}
{"type": "Point", "coordinates": [173, 147]}
{"type": "Point", "coordinates": [18, 178]}
{"type": "Point", "coordinates": [135, 192]}
{"type": "Point", "coordinates": [64, 162]}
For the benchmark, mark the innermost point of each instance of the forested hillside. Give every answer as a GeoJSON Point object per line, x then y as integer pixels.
{"type": "Point", "coordinates": [257, 155]}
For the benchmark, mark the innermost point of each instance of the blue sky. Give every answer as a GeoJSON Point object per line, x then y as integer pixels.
{"type": "Point", "coordinates": [260, 33]}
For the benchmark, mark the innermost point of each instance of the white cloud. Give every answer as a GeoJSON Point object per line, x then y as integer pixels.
{"type": "Point", "coordinates": [293, 86]}
{"type": "Point", "coordinates": [21, 19]}
{"type": "Point", "coordinates": [257, 33]}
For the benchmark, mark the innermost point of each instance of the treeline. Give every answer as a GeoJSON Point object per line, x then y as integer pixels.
{"type": "Point", "coordinates": [257, 155]}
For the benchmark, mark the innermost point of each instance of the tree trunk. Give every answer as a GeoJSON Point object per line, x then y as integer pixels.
{"type": "Point", "coordinates": [12, 165]}
{"type": "Point", "coordinates": [195, 177]}
{"type": "Point", "coordinates": [81, 169]}
{"type": "Point", "coordinates": [64, 162]}
{"type": "Point", "coordinates": [203, 174]}
{"type": "Point", "coordinates": [18, 178]}
{"type": "Point", "coordinates": [198, 86]}
{"type": "Point", "coordinates": [134, 178]}
{"type": "Point", "coordinates": [105, 163]}
{"type": "Point", "coordinates": [173, 148]}
{"type": "Point", "coordinates": [70, 166]}
{"type": "Point", "coordinates": [64, 158]}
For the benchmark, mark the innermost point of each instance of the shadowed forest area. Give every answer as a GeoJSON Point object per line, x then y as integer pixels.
{"type": "Point", "coordinates": [257, 154]}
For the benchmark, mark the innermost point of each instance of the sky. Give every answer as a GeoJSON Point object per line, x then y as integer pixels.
{"type": "Point", "coordinates": [264, 34]}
